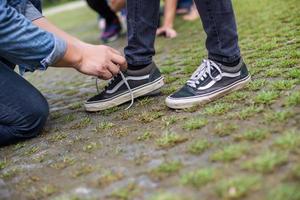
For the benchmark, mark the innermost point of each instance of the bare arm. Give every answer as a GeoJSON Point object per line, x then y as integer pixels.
{"type": "Point", "coordinates": [170, 12]}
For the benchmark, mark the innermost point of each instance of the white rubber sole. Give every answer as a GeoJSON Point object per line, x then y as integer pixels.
{"type": "Point", "coordinates": [194, 101]}
{"type": "Point", "coordinates": [125, 97]}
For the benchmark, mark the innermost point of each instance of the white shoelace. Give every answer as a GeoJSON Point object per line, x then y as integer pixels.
{"type": "Point", "coordinates": [127, 85]}
{"type": "Point", "coordinates": [203, 71]}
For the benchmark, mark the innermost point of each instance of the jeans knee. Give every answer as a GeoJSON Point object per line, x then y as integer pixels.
{"type": "Point", "coordinates": [35, 120]}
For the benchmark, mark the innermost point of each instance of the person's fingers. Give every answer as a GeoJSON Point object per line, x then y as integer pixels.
{"type": "Point", "coordinates": [160, 31]}
{"type": "Point", "coordinates": [119, 60]}
{"type": "Point", "coordinates": [113, 68]}
{"type": "Point", "coordinates": [105, 75]}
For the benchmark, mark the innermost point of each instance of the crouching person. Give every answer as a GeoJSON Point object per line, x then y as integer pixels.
{"type": "Point", "coordinates": [28, 40]}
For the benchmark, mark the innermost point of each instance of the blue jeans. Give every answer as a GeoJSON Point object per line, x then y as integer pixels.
{"type": "Point", "coordinates": [218, 21]}
{"type": "Point", "coordinates": [23, 109]}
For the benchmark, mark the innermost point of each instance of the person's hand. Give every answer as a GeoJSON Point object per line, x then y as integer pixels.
{"type": "Point", "coordinates": [101, 61]}
{"type": "Point", "coordinates": [167, 32]}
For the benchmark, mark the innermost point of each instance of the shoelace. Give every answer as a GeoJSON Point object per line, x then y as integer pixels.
{"type": "Point", "coordinates": [203, 71]}
{"type": "Point", "coordinates": [127, 85]}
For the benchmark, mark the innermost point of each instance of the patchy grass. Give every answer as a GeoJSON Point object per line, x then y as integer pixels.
{"type": "Point", "coordinates": [3, 164]}
{"type": "Point", "coordinates": [83, 123]}
{"type": "Point", "coordinates": [278, 116]}
{"type": "Point", "coordinates": [246, 112]}
{"type": "Point", "coordinates": [283, 85]}
{"type": "Point", "coordinates": [293, 99]}
{"type": "Point", "coordinates": [125, 193]}
{"type": "Point", "coordinates": [84, 169]}
{"type": "Point", "coordinates": [145, 136]}
{"type": "Point", "coordinates": [148, 117]}
{"type": "Point", "coordinates": [285, 191]}
{"type": "Point", "coordinates": [217, 109]}
{"type": "Point", "coordinates": [253, 135]}
{"type": "Point", "coordinates": [168, 69]}
{"type": "Point", "coordinates": [167, 196]}
{"type": "Point", "coordinates": [290, 140]}
{"type": "Point", "coordinates": [230, 153]}
{"type": "Point", "coordinates": [166, 169]}
{"type": "Point", "coordinates": [102, 126]}
{"type": "Point", "coordinates": [256, 84]}
{"type": "Point", "coordinates": [198, 146]}
{"type": "Point", "coordinates": [267, 161]}
{"type": "Point", "coordinates": [266, 97]}
{"type": "Point", "coordinates": [237, 187]}
{"type": "Point", "coordinates": [170, 139]}
{"type": "Point", "coordinates": [108, 177]}
{"type": "Point", "coordinates": [224, 129]}
{"type": "Point", "coordinates": [199, 177]}
{"type": "Point", "coordinates": [195, 123]}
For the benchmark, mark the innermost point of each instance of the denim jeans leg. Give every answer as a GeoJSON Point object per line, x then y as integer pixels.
{"type": "Point", "coordinates": [23, 110]}
{"type": "Point", "coordinates": [219, 24]}
{"type": "Point", "coordinates": [142, 22]}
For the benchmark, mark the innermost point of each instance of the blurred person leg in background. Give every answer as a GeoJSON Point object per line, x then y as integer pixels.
{"type": "Point", "coordinates": [192, 15]}
{"type": "Point", "coordinates": [183, 6]}
{"type": "Point", "coordinates": [112, 27]}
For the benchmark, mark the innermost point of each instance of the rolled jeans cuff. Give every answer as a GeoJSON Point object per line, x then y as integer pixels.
{"type": "Point", "coordinates": [219, 58]}
{"type": "Point", "coordinates": [133, 62]}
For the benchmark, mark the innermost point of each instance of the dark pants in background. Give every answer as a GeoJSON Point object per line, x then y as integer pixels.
{"type": "Point", "coordinates": [23, 109]}
{"type": "Point", "coordinates": [217, 17]}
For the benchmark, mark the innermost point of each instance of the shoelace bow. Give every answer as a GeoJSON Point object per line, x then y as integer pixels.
{"type": "Point", "coordinates": [127, 85]}
{"type": "Point", "coordinates": [204, 70]}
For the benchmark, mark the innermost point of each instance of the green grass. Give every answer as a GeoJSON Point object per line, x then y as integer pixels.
{"type": "Point", "coordinates": [125, 193]}
{"type": "Point", "coordinates": [230, 153]}
{"type": "Point", "coordinates": [167, 196]}
{"type": "Point", "coordinates": [166, 169]}
{"type": "Point", "coordinates": [283, 85]}
{"type": "Point", "coordinates": [278, 116]}
{"type": "Point", "coordinates": [290, 140]}
{"type": "Point", "coordinates": [198, 146]}
{"type": "Point", "coordinates": [266, 97]}
{"type": "Point", "coordinates": [246, 112]}
{"type": "Point", "coordinates": [104, 126]}
{"type": "Point", "coordinates": [237, 187]}
{"type": "Point", "coordinates": [109, 177]}
{"type": "Point", "coordinates": [256, 84]}
{"type": "Point", "coordinates": [286, 191]}
{"type": "Point", "coordinates": [217, 109]}
{"type": "Point", "coordinates": [293, 99]}
{"type": "Point", "coordinates": [267, 162]}
{"type": "Point", "coordinates": [3, 164]}
{"type": "Point", "coordinates": [83, 123]}
{"type": "Point", "coordinates": [195, 123]}
{"type": "Point", "coordinates": [294, 73]}
{"type": "Point", "coordinates": [170, 139]}
{"type": "Point", "coordinates": [147, 117]}
{"type": "Point", "coordinates": [168, 69]}
{"type": "Point", "coordinates": [224, 129]}
{"type": "Point", "coordinates": [145, 136]}
{"type": "Point", "coordinates": [253, 135]}
{"type": "Point", "coordinates": [198, 178]}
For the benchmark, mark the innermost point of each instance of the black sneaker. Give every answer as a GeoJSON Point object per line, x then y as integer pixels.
{"type": "Point", "coordinates": [210, 81]}
{"type": "Point", "coordinates": [126, 86]}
